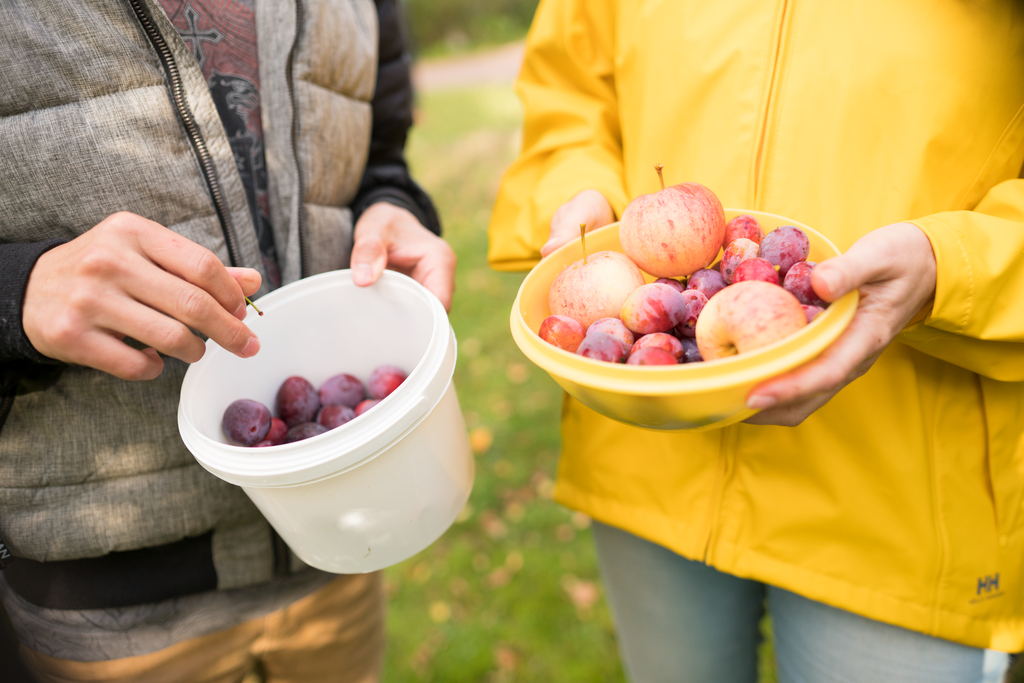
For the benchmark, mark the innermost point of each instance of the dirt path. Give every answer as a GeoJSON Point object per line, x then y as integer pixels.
{"type": "Point", "coordinates": [496, 66]}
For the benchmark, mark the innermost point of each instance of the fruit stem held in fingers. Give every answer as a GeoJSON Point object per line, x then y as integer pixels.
{"type": "Point", "coordinates": [583, 240]}
{"type": "Point", "coordinates": [249, 301]}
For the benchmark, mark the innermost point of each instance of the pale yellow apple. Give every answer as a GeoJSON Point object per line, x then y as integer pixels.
{"type": "Point", "coordinates": [746, 316]}
{"type": "Point", "coordinates": [596, 289]}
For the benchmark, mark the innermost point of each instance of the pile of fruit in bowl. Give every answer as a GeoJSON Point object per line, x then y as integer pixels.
{"type": "Point", "coordinates": [304, 411]}
{"type": "Point", "coordinates": [697, 309]}
{"type": "Point", "coordinates": [703, 293]}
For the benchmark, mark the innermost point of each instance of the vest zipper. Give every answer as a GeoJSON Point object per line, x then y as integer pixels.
{"type": "Point", "coordinates": [195, 137]}
{"type": "Point", "coordinates": [767, 106]}
{"type": "Point", "coordinates": [303, 260]}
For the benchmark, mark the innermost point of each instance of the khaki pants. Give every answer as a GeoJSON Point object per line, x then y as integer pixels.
{"type": "Point", "coordinates": [335, 634]}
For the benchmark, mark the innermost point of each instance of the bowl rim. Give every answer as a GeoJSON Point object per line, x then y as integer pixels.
{"type": "Point", "coordinates": [759, 365]}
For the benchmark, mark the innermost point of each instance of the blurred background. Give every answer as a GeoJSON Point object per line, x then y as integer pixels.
{"type": "Point", "coordinates": [443, 27]}
{"type": "Point", "coordinates": [511, 592]}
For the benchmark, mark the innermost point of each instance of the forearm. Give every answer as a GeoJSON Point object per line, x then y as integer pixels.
{"type": "Point", "coordinates": [980, 257]}
{"type": "Point", "coordinates": [571, 134]}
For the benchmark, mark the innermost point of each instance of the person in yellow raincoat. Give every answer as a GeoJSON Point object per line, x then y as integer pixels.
{"type": "Point", "coordinates": [878, 498]}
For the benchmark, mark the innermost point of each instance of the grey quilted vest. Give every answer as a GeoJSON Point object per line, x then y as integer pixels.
{"type": "Point", "coordinates": [102, 109]}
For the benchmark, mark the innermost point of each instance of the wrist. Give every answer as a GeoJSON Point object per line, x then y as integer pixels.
{"type": "Point", "coordinates": [17, 263]}
{"type": "Point", "coordinates": [918, 247]}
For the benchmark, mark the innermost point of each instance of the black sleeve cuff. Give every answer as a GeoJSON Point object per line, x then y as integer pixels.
{"type": "Point", "coordinates": [392, 184]}
{"type": "Point", "coordinates": [16, 262]}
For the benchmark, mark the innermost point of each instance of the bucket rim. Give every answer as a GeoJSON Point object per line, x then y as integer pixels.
{"type": "Point", "coordinates": [350, 444]}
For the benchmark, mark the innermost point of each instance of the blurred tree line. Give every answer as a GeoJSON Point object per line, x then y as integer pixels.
{"type": "Point", "coordinates": [447, 26]}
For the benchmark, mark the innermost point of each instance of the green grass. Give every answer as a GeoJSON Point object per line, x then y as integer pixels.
{"type": "Point", "coordinates": [511, 592]}
{"type": "Point", "coordinates": [440, 27]}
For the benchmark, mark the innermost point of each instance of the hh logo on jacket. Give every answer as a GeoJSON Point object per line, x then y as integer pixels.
{"type": "Point", "coordinates": [987, 588]}
{"type": "Point", "coordinates": [988, 584]}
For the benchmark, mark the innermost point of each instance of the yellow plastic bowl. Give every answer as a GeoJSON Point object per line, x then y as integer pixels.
{"type": "Point", "coordinates": [694, 396]}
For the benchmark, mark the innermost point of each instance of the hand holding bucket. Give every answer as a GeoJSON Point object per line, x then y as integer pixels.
{"type": "Point", "coordinates": [374, 491]}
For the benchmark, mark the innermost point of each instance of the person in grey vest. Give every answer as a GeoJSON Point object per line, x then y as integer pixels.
{"type": "Point", "coordinates": [163, 159]}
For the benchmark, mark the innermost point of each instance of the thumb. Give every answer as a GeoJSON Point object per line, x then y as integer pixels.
{"type": "Point", "coordinates": [868, 260]}
{"type": "Point", "coordinates": [369, 253]}
{"type": "Point", "coordinates": [561, 233]}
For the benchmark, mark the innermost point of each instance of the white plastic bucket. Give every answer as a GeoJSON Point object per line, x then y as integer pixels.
{"type": "Point", "coordinates": [376, 490]}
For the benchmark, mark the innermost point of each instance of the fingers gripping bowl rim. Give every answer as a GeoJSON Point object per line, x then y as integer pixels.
{"type": "Point", "coordinates": [695, 396]}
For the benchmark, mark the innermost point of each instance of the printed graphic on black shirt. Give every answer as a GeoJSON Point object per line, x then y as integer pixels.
{"type": "Point", "coordinates": [236, 99]}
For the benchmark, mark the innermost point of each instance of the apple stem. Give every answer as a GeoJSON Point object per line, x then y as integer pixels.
{"type": "Point", "coordinates": [583, 240]}
{"type": "Point", "coordinates": [249, 301]}
{"type": "Point", "coordinates": [658, 167]}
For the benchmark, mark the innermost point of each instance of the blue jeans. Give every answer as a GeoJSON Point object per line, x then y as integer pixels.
{"type": "Point", "coordinates": [679, 621]}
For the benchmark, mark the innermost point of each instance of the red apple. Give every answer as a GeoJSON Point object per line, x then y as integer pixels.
{"type": "Point", "coordinates": [675, 231]}
{"type": "Point", "coordinates": [595, 289]}
{"type": "Point", "coordinates": [746, 316]}
{"type": "Point", "coordinates": [562, 331]}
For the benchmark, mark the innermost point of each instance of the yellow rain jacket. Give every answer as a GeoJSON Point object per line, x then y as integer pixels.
{"type": "Point", "coordinates": [903, 498]}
